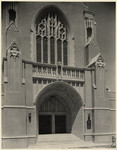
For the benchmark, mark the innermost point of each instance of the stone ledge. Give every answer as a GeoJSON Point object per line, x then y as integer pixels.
{"type": "Point", "coordinates": [97, 108]}
{"type": "Point", "coordinates": [100, 134]}
{"type": "Point", "coordinates": [17, 106]}
{"type": "Point", "coordinates": [18, 137]}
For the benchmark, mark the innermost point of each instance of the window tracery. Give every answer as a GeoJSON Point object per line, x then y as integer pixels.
{"type": "Point", "coordinates": [51, 37]}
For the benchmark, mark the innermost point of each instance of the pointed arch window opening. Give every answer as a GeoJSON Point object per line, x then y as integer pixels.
{"type": "Point", "coordinates": [65, 53]}
{"type": "Point", "coordinates": [38, 43]}
{"type": "Point", "coordinates": [52, 50]}
{"type": "Point", "coordinates": [52, 32]}
{"type": "Point", "coordinates": [12, 15]}
{"type": "Point", "coordinates": [45, 50]}
{"type": "Point", "coordinates": [59, 43]}
{"type": "Point", "coordinates": [89, 28]}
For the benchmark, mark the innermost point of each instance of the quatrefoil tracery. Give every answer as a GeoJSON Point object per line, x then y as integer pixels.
{"type": "Point", "coordinates": [51, 26]}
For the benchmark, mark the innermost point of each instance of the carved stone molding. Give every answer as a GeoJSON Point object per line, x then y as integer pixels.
{"type": "Point", "coordinates": [100, 62]}
{"type": "Point", "coordinates": [97, 61]}
{"type": "Point", "coordinates": [14, 51]}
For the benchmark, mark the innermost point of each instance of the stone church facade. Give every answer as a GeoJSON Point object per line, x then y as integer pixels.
{"type": "Point", "coordinates": [53, 74]}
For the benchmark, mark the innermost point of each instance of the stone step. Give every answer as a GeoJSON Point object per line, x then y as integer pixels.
{"type": "Point", "coordinates": [69, 141]}
{"type": "Point", "coordinates": [57, 137]}
{"type": "Point", "coordinates": [57, 141]}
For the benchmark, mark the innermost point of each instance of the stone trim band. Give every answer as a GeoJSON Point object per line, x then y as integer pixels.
{"type": "Point", "coordinates": [17, 106]}
{"type": "Point", "coordinates": [101, 134]}
{"type": "Point", "coordinates": [18, 137]}
{"type": "Point", "coordinates": [96, 108]}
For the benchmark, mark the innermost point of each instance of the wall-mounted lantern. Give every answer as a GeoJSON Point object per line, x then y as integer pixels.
{"type": "Point", "coordinates": [89, 122]}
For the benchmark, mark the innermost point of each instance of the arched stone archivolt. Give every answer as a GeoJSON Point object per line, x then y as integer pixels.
{"type": "Point", "coordinates": [61, 88]}
{"type": "Point", "coordinates": [46, 9]}
{"type": "Point", "coordinates": [67, 102]}
{"type": "Point", "coordinates": [67, 96]}
{"type": "Point", "coordinates": [55, 103]}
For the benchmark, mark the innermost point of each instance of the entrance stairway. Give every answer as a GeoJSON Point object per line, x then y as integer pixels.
{"type": "Point", "coordinates": [69, 141]}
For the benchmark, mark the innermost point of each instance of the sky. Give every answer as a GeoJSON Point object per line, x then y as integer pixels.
{"type": "Point", "coordinates": [105, 19]}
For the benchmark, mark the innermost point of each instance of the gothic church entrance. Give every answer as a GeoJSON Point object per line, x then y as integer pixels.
{"type": "Point", "coordinates": [53, 116]}
{"type": "Point", "coordinates": [46, 126]}
{"type": "Point", "coordinates": [58, 110]}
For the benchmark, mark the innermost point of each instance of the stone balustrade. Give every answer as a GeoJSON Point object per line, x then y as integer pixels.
{"type": "Point", "coordinates": [73, 74]}
{"type": "Point", "coordinates": [62, 73]}
{"type": "Point", "coordinates": [44, 71]}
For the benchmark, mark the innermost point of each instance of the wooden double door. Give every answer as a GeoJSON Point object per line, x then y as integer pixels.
{"type": "Point", "coordinates": [51, 124]}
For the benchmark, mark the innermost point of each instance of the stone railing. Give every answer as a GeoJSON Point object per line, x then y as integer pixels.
{"type": "Point", "coordinates": [71, 73]}
{"type": "Point", "coordinates": [58, 72]}
{"type": "Point", "coordinates": [49, 71]}
{"type": "Point", "coordinates": [44, 71]}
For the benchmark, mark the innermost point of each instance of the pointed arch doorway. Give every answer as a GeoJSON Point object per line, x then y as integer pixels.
{"type": "Point", "coordinates": [58, 110]}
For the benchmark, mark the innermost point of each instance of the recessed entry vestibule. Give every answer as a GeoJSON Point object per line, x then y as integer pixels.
{"type": "Point", "coordinates": [53, 117]}
{"type": "Point", "coordinates": [51, 124]}
{"type": "Point", "coordinates": [58, 110]}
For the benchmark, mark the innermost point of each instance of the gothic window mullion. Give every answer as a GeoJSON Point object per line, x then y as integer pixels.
{"type": "Point", "coordinates": [55, 38]}
{"type": "Point", "coordinates": [42, 49]}
{"type": "Point", "coordinates": [58, 33]}
{"type": "Point", "coordinates": [52, 30]}
{"type": "Point", "coordinates": [48, 29]}
{"type": "Point", "coordinates": [62, 51]}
